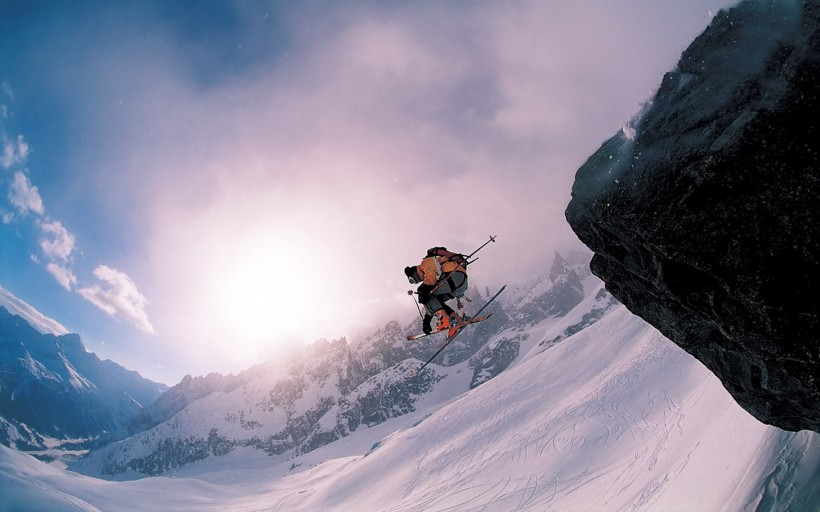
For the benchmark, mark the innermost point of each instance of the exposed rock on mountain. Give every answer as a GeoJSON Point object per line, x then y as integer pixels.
{"type": "Point", "coordinates": [553, 295]}
{"type": "Point", "coordinates": [703, 213]}
{"type": "Point", "coordinates": [177, 398]}
{"type": "Point", "coordinates": [494, 358]}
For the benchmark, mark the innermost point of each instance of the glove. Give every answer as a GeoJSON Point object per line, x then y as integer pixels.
{"type": "Point", "coordinates": [426, 328]}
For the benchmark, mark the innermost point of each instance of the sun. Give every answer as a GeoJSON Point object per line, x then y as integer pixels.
{"type": "Point", "coordinates": [261, 292]}
{"type": "Point", "coordinates": [265, 293]}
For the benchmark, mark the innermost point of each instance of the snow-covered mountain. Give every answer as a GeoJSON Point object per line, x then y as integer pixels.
{"type": "Point", "coordinates": [53, 390]}
{"type": "Point", "coordinates": [594, 410]}
{"type": "Point", "coordinates": [332, 389]}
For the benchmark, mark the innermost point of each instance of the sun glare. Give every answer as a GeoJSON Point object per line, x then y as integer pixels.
{"type": "Point", "coordinates": [263, 294]}
{"type": "Point", "coordinates": [250, 285]}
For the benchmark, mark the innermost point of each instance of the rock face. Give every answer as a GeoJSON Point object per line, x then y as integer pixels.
{"type": "Point", "coordinates": [704, 213]}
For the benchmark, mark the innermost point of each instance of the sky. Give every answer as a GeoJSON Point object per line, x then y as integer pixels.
{"type": "Point", "coordinates": [197, 187]}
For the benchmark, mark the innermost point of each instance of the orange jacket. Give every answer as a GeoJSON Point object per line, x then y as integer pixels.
{"type": "Point", "coordinates": [433, 267]}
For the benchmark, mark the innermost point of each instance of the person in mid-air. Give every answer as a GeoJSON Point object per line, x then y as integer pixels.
{"type": "Point", "coordinates": [443, 277]}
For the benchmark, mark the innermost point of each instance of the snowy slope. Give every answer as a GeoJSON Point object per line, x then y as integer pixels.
{"type": "Point", "coordinates": [613, 417]}
{"type": "Point", "coordinates": [637, 424]}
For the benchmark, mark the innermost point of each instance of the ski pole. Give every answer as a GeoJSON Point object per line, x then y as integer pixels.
{"type": "Point", "coordinates": [492, 239]}
{"type": "Point", "coordinates": [411, 293]}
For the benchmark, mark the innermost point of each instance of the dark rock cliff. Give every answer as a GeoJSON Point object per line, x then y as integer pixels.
{"type": "Point", "coordinates": [704, 213]}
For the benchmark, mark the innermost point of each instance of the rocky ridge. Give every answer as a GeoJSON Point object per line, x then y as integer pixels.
{"type": "Point", "coordinates": [702, 213]}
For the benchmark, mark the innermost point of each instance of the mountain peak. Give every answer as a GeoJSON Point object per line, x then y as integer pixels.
{"type": "Point", "coordinates": [559, 266]}
{"type": "Point", "coordinates": [71, 344]}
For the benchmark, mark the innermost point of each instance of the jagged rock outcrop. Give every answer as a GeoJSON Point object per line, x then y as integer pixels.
{"type": "Point", "coordinates": [703, 213]}
{"type": "Point", "coordinates": [554, 294]}
{"type": "Point", "coordinates": [175, 399]}
{"type": "Point", "coordinates": [604, 302]}
{"type": "Point", "coordinates": [494, 358]}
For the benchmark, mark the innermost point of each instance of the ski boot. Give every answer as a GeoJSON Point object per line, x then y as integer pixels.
{"type": "Point", "coordinates": [450, 321]}
{"type": "Point", "coordinates": [443, 320]}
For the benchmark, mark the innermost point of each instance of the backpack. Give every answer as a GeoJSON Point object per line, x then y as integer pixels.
{"type": "Point", "coordinates": [451, 256]}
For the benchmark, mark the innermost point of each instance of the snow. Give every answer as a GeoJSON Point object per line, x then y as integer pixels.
{"type": "Point", "coordinates": [614, 417]}
{"type": "Point", "coordinates": [36, 369]}
{"type": "Point", "coordinates": [75, 379]}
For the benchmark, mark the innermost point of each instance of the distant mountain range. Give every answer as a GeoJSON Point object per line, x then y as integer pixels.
{"type": "Point", "coordinates": [333, 388]}
{"type": "Point", "coordinates": [53, 391]}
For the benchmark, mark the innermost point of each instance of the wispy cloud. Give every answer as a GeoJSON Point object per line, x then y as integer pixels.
{"type": "Point", "coordinates": [58, 243]}
{"type": "Point", "coordinates": [38, 320]}
{"type": "Point", "coordinates": [117, 295]}
{"type": "Point", "coordinates": [24, 196]}
{"type": "Point", "coordinates": [6, 89]}
{"type": "Point", "coordinates": [63, 275]}
{"type": "Point", "coordinates": [15, 151]}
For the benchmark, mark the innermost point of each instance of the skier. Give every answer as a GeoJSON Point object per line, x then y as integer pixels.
{"type": "Point", "coordinates": [443, 277]}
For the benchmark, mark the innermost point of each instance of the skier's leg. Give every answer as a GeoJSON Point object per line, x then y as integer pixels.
{"type": "Point", "coordinates": [459, 284]}
{"type": "Point", "coordinates": [434, 303]}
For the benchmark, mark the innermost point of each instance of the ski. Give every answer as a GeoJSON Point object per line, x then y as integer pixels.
{"type": "Point", "coordinates": [473, 320]}
{"type": "Point", "coordinates": [459, 328]}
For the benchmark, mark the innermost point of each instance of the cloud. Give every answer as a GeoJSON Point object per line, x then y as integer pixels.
{"type": "Point", "coordinates": [118, 296]}
{"type": "Point", "coordinates": [59, 243]}
{"type": "Point", "coordinates": [63, 275]}
{"type": "Point", "coordinates": [14, 151]}
{"type": "Point", "coordinates": [5, 89]}
{"type": "Point", "coordinates": [115, 292]}
{"type": "Point", "coordinates": [362, 136]}
{"type": "Point", "coordinates": [377, 134]}
{"type": "Point", "coordinates": [24, 196]}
